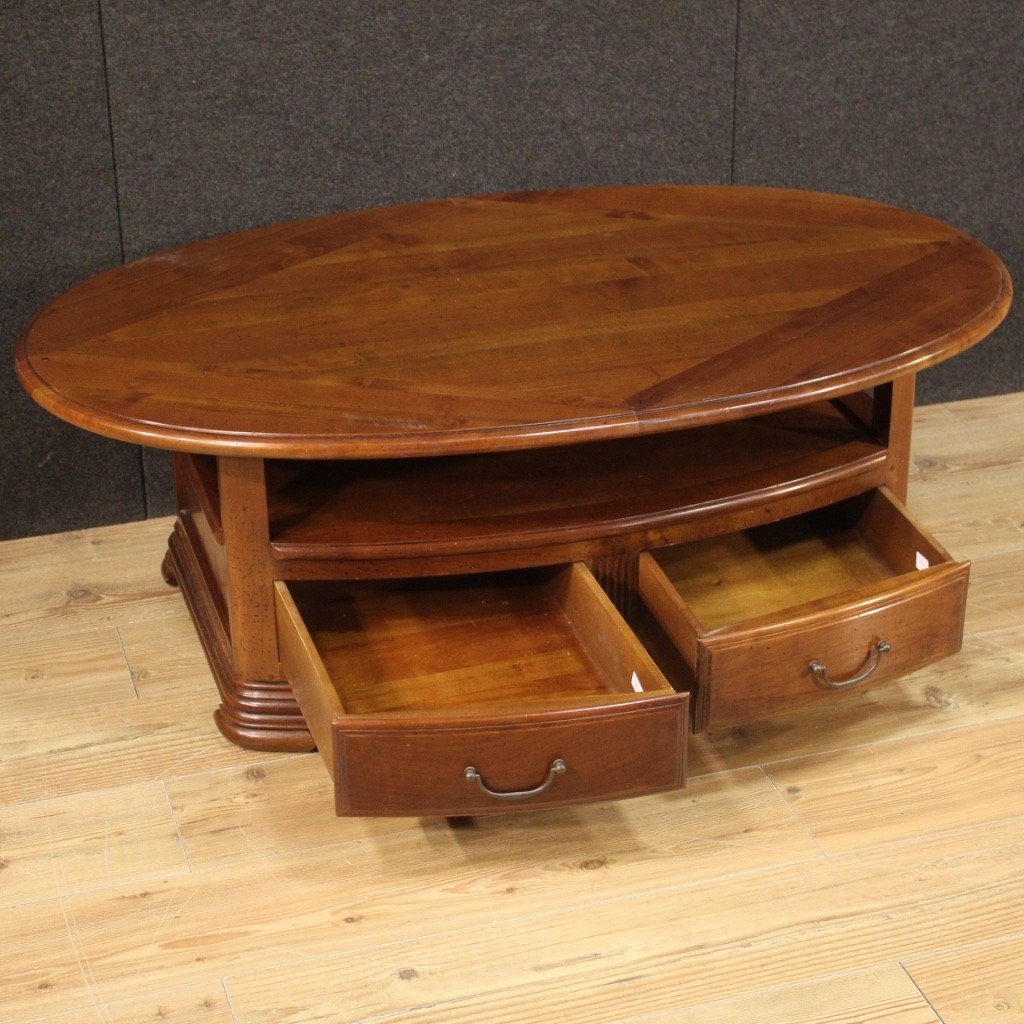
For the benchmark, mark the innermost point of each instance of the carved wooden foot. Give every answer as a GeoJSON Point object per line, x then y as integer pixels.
{"type": "Point", "coordinates": [271, 723]}
{"type": "Point", "coordinates": [167, 570]}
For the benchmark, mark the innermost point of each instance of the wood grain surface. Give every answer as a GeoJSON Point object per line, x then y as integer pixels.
{"type": "Point", "coordinates": [509, 321]}
{"type": "Point", "coordinates": [634, 489]}
{"type": "Point", "coordinates": [750, 613]}
{"type": "Point", "coordinates": [855, 861]}
{"type": "Point", "coordinates": [404, 686]}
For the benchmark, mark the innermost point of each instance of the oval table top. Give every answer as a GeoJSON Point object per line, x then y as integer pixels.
{"type": "Point", "coordinates": [509, 321]}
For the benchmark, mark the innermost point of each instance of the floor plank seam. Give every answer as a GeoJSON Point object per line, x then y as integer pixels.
{"type": "Point", "coordinates": [227, 1000]}
{"type": "Point", "coordinates": [158, 876]}
{"type": "Point", "coordinates": [80, 958]}
{"type": "Point", "coordinates": [910, 978]}
{"type": "Point", "coordinates": [177, 827]}
{"type": "Point", "coordinates": [127, 662]}
{"type": "Point", "coordinates": [793, 811]}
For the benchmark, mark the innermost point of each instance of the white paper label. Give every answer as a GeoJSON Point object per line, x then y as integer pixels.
{"type": "Point", "coordinates": [635, 683]}
{"type": "Point", "coordinates": [921, 562]}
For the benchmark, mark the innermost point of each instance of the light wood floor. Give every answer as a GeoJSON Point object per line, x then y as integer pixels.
{"type": "Point", "coordinates": [864, 862]}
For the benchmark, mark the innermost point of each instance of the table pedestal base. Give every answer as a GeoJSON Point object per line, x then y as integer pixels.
{"type": "Point", "coordinates": [257, 714]}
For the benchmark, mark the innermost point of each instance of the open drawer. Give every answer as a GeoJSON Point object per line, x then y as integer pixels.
{"type": "Point", "coordinates": [803, 609]}
{"type": "Point", "coordinates": [476, 694]}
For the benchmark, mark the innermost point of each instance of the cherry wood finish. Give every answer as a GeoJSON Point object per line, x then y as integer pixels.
{"type": "Point", "coordinates": [893, 421]}
{"type": "Point", "coordinates": [509, 321]}
{"type": "Point", "coordinates": [407, 685]}
{"type": "Point", "coordinates": [612, 751]}
{"type": "Point", "coordinates": [243, 494]}
{"type": "Point", "coordinates": [202, 481]}
{"type": "Point", "coordinates": [579, 380]}
{"type": "Point", "coordinates": [255, 711]}
{"type": "Point", "coordinates": [638, 489]}
{"type": "Point", "coordinates": [751, 612]}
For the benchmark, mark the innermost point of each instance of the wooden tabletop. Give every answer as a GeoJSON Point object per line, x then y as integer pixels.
{"type": "Point", "coordinates": [509, 321]}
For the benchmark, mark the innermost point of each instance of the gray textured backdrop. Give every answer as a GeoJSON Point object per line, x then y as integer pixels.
{"type": "Point", "coordinates": [131, 125]}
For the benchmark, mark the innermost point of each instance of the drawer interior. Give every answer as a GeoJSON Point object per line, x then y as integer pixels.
{"type": "Point", "coordinates": [458, 695]}
{"type": "Point", "coordinates": [764, 570]}
{"type": "Point", "coordinates": [506, 639]}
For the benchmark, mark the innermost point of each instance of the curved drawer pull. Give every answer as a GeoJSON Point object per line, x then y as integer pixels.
{"type": "Point", "coordinates": [558, 767]}
{"type": "Point", "coordinates": [820, 672]}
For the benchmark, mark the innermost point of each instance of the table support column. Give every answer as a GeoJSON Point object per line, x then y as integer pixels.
{"type": "Point", "coordinates": [893, 423]}
{"type": "Point", "coordinates": [220, 555]}
{"type": "Point", "coordinates": [250, 576]}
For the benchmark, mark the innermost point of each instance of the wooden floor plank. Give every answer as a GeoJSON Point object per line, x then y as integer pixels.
{"type": "Point", "coordinates": [881, 995]}
{"type": "Point", "coordinates": [275, 806]}
{"type": "Point", "coordinates": [967, 474]}
{"type": "Point", "coordinates": [165, 657]}
{"type": "Point", "coordinates": [267, 910]}
{"type": "Point", "coordinates": [975, 431]}
{"type": "Point", "coordinates": [89, 596]}
{"type": "Point", "coordinates": [41, 972]}
{"type": "Point", "coordinates": [851, 799]}
{"type": "Point", "coordinates": [981, 984]}
{"type": "Point", "coordinates": [994, 598]}
{"type": "Point", "coordinates": [973, 513]}
{"type": "Point", "coordinates": [115, 582]}
{"type": "Point", "coordinates": [50, 677]}
{"type": "Point", "coordinates": [60, 549]}
{"type": "Point", "coordinates": [663, 951]}
{"type": "Point", "coordinates": [193, 1004]}
{"type": "Point", "coordinates": [88, 841]}
{"type": "Point", "coordinates": [111, 745]}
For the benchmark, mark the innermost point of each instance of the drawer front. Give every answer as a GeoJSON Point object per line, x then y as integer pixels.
{"type": "Point", "coordinates": [386, 766]}
{"type": "Point", "coordinates": [748, 672]}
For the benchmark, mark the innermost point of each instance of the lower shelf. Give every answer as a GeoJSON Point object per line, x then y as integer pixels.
{"type": "Point", "coordinates": [478, 695]}
{"type": "Point", "coordinates": [413, 517]}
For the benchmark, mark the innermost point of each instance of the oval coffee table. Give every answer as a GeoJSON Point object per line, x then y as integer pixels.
{"type": "Point", "coordinates": [495, 499]}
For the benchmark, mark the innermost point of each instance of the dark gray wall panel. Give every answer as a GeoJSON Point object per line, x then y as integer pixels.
{"type": "Point", "coordinates": [917, 103]}
{"type": "Point", "coordinates": [158, 479]}
{"type": "Point", "coordinates": [59, 224]}
{"type": "Point", "coordinates": [229, 114]}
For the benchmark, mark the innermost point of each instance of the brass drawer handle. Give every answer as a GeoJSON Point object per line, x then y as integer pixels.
{"type": "Point", "coordinates": [558, 767]}
{"type": "Point", "coordinates": [820, 672]}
